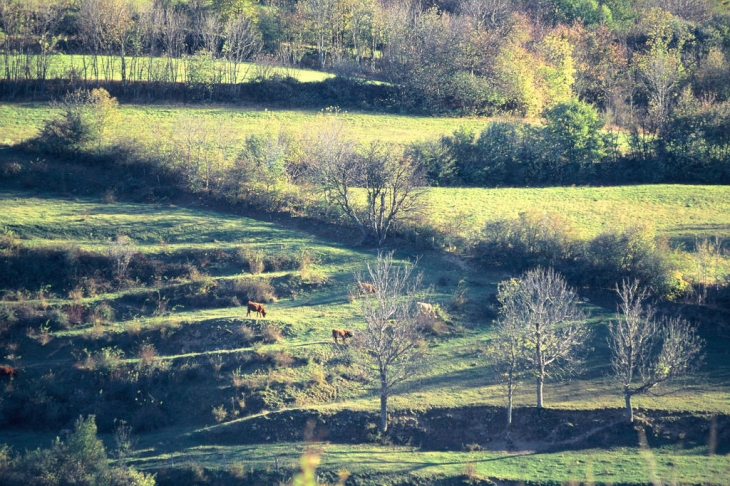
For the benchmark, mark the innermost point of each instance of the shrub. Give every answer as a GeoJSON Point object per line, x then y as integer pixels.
{"type": "Point", "coordinates": [271, 334]}
{"type": "Point", "coordinates": [574, 129]}
{"type": "Point", "coordinates": [533, 239]}
{"type": "Point", "coordinates": [254, 290]}
{"type": "Point", "coordinates": [458, 298]}
{"type": "Point", "coordinates": [238, 378]}
{"type": "Point", "coordinates": [246, 332]}
{"type": "Point", "coordinates": [149, 418]}
{"type": "Point", "coordinates": [220, 413]}
{"type": "Point", "coordinates": [254, 259]}
{"type": "Point", "coordinates": [72, 128]}
{"type": "Point", "coordinates": [632, 253]}
{"type": "Point", "coordinates": [279, 359]}
{"type": "Point", "coordinates": [147, 354]}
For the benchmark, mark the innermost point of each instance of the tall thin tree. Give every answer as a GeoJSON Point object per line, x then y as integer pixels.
{"type": "Point", "coordinates": [392, 345]}
{"type": "Point", "coordinates": [553, 326]}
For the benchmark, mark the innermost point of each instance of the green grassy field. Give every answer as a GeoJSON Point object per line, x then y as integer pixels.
{"type": "Point", "coordinates": [625, 465]}
{"type": "Point", "coordinates": [681, 212]}
{"type": "Point", "coordinates": [60, 66]}
{"type": "Point", "coordinates": [22, 121]}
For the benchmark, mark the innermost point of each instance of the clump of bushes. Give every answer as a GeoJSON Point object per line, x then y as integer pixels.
{"type": "Point", "coordinates": [535, 239]}
{"type": "Point", "coordinates": [259, 290]}
{"type": "Point", "coordinates": [532, 239]}
{"type": "Point", "coordinates": [258, 261]}
{"type": "Point", "coordinates": [80, 458]}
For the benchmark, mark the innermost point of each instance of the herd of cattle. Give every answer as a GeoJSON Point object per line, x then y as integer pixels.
{"type": "Point", "coordinates": [425, 310]}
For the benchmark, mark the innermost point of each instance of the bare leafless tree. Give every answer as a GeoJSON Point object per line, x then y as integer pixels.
{"type": "Point", "coordinates": [662, 71]}
{"type": "Point", "coordinates": [173, 26]}
{"type": "Point", "coordinates": [553, 333]}
{"type": "Point", "coordinates": [200, 150]}
{"type": "Point", "coordinates": [393, 185]}
{"type": "Point", "coordinates": [121, 252]}
{"type": "Point", "coordinates": [486, 14]}
{"type": "Point", "coordinates": [321, 17]}
{"type": "Point", "coordinates": [391, 182]}
{"type": "Point", "coordinates": [211, 32]}
{"type": "Point", "coordinates": [392, 345]}
{"type": "Point", "coordinates": [646, 352]}
{"type": "Point", "coordinates": [243, 41]}
{"type": "Point", "coordinates": [506, 353]}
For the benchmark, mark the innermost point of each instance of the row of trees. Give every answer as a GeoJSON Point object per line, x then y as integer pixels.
{"type": "Point", "coordinates": [542, 332]}
{"type": "Point", "coordinates": [630, 59]}
{"type": "Point", "coordinates": [573, 146]}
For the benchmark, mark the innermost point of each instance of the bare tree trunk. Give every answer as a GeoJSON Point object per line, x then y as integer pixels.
{"type": "Point", "coordinates": [383, 412]}
{"type": "Point", "coordinates": [541, 369]}
{"type": "Point", "coordinates": [629, 411]}
{"type": "Point", "coordinates": [510, 391]}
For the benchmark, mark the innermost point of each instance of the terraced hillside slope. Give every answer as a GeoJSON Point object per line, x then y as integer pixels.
{"type": "Point", "coordinates": [169, 348]}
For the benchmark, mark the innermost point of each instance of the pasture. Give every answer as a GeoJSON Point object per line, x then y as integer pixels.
{"type": "Point", "coordinates": [204, 367]}
{"type": "Point", "coordinates": [109, 68]}
{"type": "Point", "coordinates": [681, 212]}
{"type": "Point", "coordinates": [144, 122]}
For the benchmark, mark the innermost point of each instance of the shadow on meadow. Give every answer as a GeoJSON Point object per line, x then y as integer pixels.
{"type": "Point", "coordinates": [480, 428]}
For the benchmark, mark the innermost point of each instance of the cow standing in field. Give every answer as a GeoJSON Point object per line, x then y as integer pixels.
{"type": "Point", "coordinates": [341, 333]}
{"type": "Point", "coordinates": [8, 371]}
{"type": "Point", "coordinates": [257, 308]}
{"type": "Point", "coordinates": [426, 310]}
{"type": "Point", "coordinates": [366, 288]}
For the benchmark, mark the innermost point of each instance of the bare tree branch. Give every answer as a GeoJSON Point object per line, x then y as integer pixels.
{"type": "Point", "coordinates": [553, 332]}
{"type": "Point", "coordinates": [644, 352]}
{"type": "Point", "coordinates": [392, 345]}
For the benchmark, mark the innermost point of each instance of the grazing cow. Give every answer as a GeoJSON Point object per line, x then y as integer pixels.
{"type": "Point", "coordinates": [341, 333]}
{"type": "Point", "coordinates": [257, 308]}
{"type": "Point", "coordinates": [426, 310]}
{"type": "Point", "coordinates": [366, 288]}
{"type": "Point", "coordinates": [9, 371]}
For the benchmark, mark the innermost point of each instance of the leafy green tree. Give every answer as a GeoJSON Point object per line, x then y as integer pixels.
{"type": "Point", "coordinates": [695, 141]}
{"type": "Point", "coordinates": [500, 146]}
{"type": "Point", "coordinates": [515, 71]}
{"type": "Point", "coordinates": [574, 129]}
{"type": "Point", "coordinates": [434, 157]}
{"type": "Point", "coordinates": [590, 12]}
{"type": "Point", "coordinates": [79, 460]}
{"type": "Point", "coordinates": [558, 72]}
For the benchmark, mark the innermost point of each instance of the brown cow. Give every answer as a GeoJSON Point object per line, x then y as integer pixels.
{"type": "Point", "coordinates": [366, 288]}
{"type": "Point", "coordinates": [6, 370]}
{"type": "Point", "coordinates": [341, 333]}
{"type": "Point", "coordinates": [257, 308]}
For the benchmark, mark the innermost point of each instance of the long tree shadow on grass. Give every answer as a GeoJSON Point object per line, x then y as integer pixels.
{"type": "Point", "coordinates": [454, 428]}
